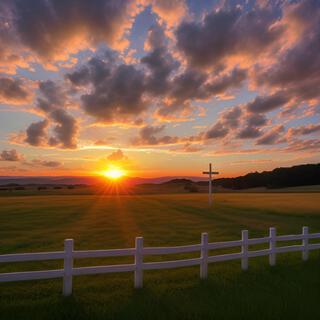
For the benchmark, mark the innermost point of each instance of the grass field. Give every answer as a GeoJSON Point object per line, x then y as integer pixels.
{"type": "Point", "coordinates": [290, 290]}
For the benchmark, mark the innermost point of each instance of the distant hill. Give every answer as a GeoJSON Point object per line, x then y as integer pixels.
{"type": "Point", "coordinates": [84, 180]}
{"type": "Point", "coordinates": [302, 175]}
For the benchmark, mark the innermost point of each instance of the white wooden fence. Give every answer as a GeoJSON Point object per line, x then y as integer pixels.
{"type": "Point", "coordinates": [69, 254]}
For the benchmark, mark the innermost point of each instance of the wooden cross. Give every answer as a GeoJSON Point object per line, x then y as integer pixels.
{"type": "Point", "coordinates": [210, 173]}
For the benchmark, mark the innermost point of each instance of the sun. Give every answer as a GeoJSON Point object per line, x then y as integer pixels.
{"type": "Point", "coordinates": [114, 173]}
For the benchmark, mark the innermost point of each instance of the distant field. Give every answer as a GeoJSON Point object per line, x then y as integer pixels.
{"type": "Point", "coordinates": [291, 290]}
{"type": "Point", "coordinates": [170, 188]}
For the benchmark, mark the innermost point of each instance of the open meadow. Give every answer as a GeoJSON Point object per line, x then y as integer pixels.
{"type": "Point", "coordinates": [40, 223]}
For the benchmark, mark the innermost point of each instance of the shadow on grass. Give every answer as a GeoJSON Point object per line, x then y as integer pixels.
{"type": "Point", "coordinates": [291, 290]}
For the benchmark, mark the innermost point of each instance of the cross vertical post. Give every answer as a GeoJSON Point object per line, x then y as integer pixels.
{"type": "Point", "coordinates": [210, 173]}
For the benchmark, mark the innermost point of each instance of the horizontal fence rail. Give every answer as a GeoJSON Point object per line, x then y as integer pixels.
{"type": "Point", "coordinates": [139, 252]}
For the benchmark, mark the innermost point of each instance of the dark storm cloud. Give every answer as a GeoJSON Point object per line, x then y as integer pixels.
{"type": "Point", "coordinates": [226, 32]}
{"type": "Point", "coordinates": [12, 91]}
{"type": "Point", "coordinates": [36, 133]}
{"type": "Point", "coordinates": [10, 155]}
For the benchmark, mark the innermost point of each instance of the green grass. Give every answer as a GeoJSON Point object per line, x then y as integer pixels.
{"type": "Point", "coordinates": [40, 223]}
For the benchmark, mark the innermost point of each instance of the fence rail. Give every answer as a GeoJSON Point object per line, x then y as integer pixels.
{"type": "Point", "coordinates": [139, 252]}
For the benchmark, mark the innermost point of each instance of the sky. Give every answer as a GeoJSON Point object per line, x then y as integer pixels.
{"type": "Point", "coordinates": [158, 87]}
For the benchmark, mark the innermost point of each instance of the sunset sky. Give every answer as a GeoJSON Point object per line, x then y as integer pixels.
{"type": "Point", "coordinates": [158, 87]}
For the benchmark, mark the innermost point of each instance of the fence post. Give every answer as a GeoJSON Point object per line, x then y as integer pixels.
{"type": "Point", "coordinates": [244, 250]}
{"type": "Point", "coordinates": [68, 265]}
{"type": "Point", "coordinates": [138, 261]}
{"type": "Point", "coordinates": [272, 246]}
{"type": "Point", "coordinates": [305, 243]}
{"type": "Point", "coordinates": [204, 256]}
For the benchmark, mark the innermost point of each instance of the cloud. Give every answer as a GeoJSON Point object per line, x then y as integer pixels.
{"type": "Point", "coordinates": [273, 136]}
{"type": "Point", "coordinates": [156, 38]}
{"type": "Point", "coordinates": [12, 91]}
{"type": "Point", "coordinates": [187, 148]}
{"type": "Point", "coordinates": [104, 142]}
{"type": "Point", "coordinates": [227, 33]}
{"type": "Point", "coordinates": [221, 84]}
{"type": "Point", "coordinates": [160, 64]}
{"type": "Point", "coordinates": [10, 57]}
{"type": "Point", "coordinates": [236, 122]}
{"type": "Point", "coordinates": [36, 133]}
{"type": "Point", "coordinates": [249, 132]}
{"type": "Point", "coordinates": [117, 156]}
{"type": "Point", "coordinates": [170, 11]}
{"type": "Point", "coordinates": [159, 61]}
{"type": "Point", "coordinates": [148, 135]}
{"type": "Point", "coordinates": [231, 117]}
{"type": "Point", "coordinates": [228, 121]}
{"type": "Point", "coordinates": [218, 130]}
{"type": "Point", "coordinates": [304, 130]}
{"type": "Point", "coordinates": [64, 127]}
{"type": "Point", "coordinates": [195, 85]}
{"type": "Point", "coordinates": [256, 119]}
{"type": "Point", "coordinates": [299, 145]}
{"type": "Point", "coordinates": [267, 103]}
{"type": "Point", "coordinates": [47, 163]}
{"type": "Point", "coordinates": [51, 96]}
{"type": "Point", "coordinates": [116, 91]}
{"type": "Point", "coordinates": [10, 155]}
{"type": "Point", "coordinates": [69, 26]}
{"type": "Point", "coordinates": [297, 68]}
{"type": "Point", "coordinates": [65, 130]}
{"type": "Point", "coordinates": [189, 63]}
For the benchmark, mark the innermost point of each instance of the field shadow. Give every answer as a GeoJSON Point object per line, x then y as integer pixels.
{"type": "Point", "coordinates": [291, 290]}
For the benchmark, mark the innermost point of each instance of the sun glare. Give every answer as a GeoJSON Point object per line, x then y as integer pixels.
{"type": "Point", "coordinates": [114, 173]}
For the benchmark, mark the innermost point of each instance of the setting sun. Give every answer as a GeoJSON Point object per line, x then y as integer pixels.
{"type": "Point", "coordinates": [114, 173]}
